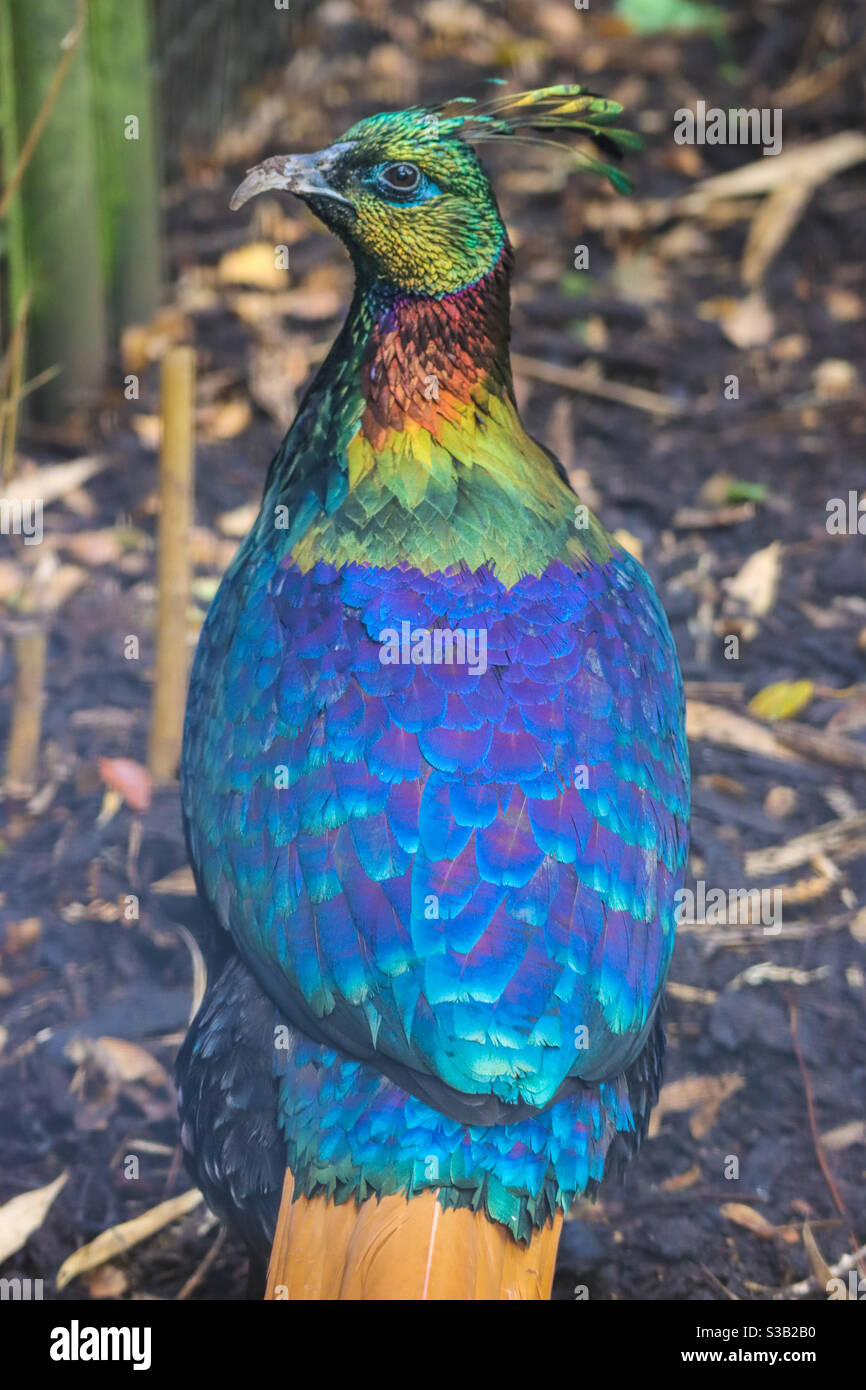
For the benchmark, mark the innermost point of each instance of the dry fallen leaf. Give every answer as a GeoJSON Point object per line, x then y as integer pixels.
{"type": "Point", "coordinates": [756, 583]}
{"type": "Point", "coordinates": [129, 779]}
{"type": "Point", "coordinates": [253, 264]}
{"type": "Point", "coordinates": [238, 521]}
{"type": "Point", "coordinates": [20, 935]}
{"type": "Point", "coordinates": [208, 551]}
{"type": "Point", "coordinates": [771, 226]}
{"type": "Point", "coordinates": [11, 579]}
{"type": "Point", "coordinates": [844, 305]}
{"type": "Point", "coordinates": [142, 343]}
{"type": "Point", "coordinates": [781, 700]}
{"type": "Point", "coordinates": [719, 782]}
{"type": "Point", "coordinates": [789, 348]}
{"type": "Point", "coordinates": [858, 926]}
{"type": "Point", "coordinates": [807, 890]}
{"type": "Point", "coordinates": [843, 1136]}
{"type": "Point", "coordinates": [681, 1181]}
{"type": "Point", "coordinates": [60, 584]}
{"type": "Point", "coordinates": [225, 420]}
{"type": "Point", "coordinates": [180, 882]}
{"type": "Point", "coordinates": [753, 1221]}
{"type": "Point", "coordinates": [834, 379]}
{"type": "Point", "coordinates": [117, 1059]}
{"type": "Point", "coordinates": [749, 322]}
{"type": "Point", "coordinates": [780, 801]}
{"type": "Point", "coordinates": [24, 1214]}
{"type": "Point", "coordinates": [94, 547]}
{"type": "Point", "coordinates": [117, 1239]}
{"type": "Point", "coordinates": [703, 1095]}
{"type": "Point", "coordinates": [633, 544]}
{"type": "Point", "coordinates": [820, 1268]}
{"type": "Point", "coordinates": [53, 481]}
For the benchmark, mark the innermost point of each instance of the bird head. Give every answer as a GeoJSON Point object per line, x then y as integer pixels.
{"type": "Point", "coordinates": [407, 194]}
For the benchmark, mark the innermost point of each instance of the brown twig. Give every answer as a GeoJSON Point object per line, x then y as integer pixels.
{"type": "Point", "coordinates": [821, 746]}
{"type": "Point", "coordinates": [198, 1274]}
{"type": "Point", "coordinates": [18, 328]}
{"type": "Point", "coordinates": [793, 1020]}
{"type": "Point", "coordinates": [576, 379]}
{"type": "Point", "coordinates": [11, 373]}
{"type": "Point", "coordinates": [830, 838]}
{"type": "Point", "coordinates": [70, 44]}
{"type": "Point", "coordinates": [803, 87]}
{"type": "Point", "coordinates": [9, 409]}
{"type": "Point", "coordinates": [717, 1283]}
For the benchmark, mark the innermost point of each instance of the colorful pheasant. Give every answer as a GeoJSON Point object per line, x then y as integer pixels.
{"type": "Point", "coordinates": [435, 775]}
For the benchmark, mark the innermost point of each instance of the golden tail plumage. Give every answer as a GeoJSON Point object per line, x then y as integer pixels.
{"type": "Point", "coordinates": [392, 1249]}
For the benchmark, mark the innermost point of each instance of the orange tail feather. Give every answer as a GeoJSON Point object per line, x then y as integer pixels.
{"type": "Point", "coordinates": [394, 1249]}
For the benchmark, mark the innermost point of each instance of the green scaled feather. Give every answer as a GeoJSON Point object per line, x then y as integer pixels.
{"type": "Point", "coordinates": [566, 108]}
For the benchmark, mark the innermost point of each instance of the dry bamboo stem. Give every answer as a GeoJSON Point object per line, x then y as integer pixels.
{"type": "Point", "coordinates": [29, 644]}
{"type": "Point", "coordinates": [173, 564]}
{"type": "Point", "coordinates": [12, 370]}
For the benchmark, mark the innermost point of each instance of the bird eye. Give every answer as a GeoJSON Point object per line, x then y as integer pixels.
{"type": "Point", "coordinates": [400, 179]}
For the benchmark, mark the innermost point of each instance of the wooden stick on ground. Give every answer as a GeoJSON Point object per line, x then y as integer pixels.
{"type": "Point", "coordinates": [22, 757]}
{"type": "Point", "coordinates": [173, 564]}
{"type": "Point", "coordinates": [578, 379]}
{"type": "Point", "coordinates": [831, 838]}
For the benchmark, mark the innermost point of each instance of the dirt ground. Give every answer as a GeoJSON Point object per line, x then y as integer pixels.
{"type": "Point", "coordinates": [767, 1029]}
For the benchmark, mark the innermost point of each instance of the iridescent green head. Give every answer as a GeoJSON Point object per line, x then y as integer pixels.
{"type": "Point", "coordinates": [406, 193]}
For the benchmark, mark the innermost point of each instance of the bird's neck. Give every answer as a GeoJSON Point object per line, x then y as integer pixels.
{"type": "Point", "coordinates": [426, 359]}
{"type": "Point", "coordinates": [406, 362]}
{"type": "Point", "coordinates": [408, 447]}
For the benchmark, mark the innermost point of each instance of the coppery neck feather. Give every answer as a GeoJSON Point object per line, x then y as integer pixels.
{"type": "Point", "coordinates": [421, 349]}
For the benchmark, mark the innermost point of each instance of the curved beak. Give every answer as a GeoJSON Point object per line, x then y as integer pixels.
{"type": "Point", "coordinates": [303, 174]}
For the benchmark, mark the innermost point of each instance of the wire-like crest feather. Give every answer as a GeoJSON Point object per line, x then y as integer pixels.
{"type": "Point", "coordinates": [564, 108]}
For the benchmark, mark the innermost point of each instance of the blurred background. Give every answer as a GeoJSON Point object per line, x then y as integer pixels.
{"type": "Point", "coordinates": [693, 354]}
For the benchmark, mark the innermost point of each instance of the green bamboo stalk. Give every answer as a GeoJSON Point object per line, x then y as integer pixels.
{"type": "Point", "coordinates": [9, 151]}
{"type": "Point", "coordinates": [126, 141]}
{"type": "Point", "coordinates": [56, 251]}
